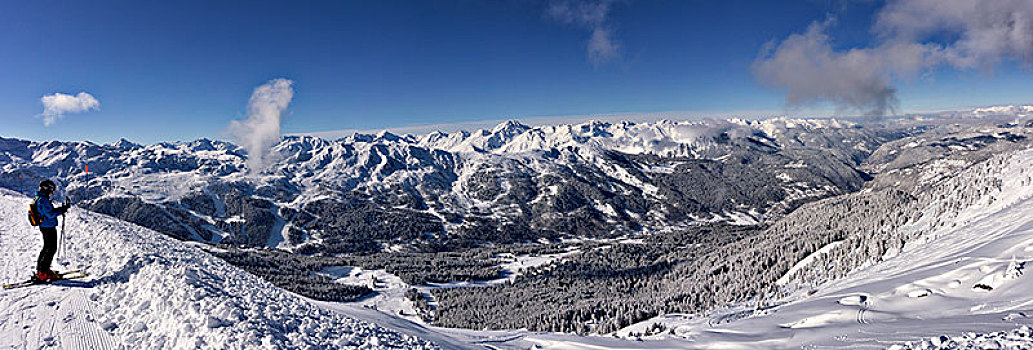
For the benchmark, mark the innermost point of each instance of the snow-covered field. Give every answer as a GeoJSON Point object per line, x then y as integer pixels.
{"type": "Point", "coordinates": [148, 291]}
{"type": "Point", "coordinates": [389, 289]}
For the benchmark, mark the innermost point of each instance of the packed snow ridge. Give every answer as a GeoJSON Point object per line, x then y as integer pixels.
{"type": "Point", "coordinates": [149, 291]}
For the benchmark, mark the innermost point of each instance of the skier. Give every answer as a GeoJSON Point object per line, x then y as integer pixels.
{"type": "Point", "coordinates": [48, 226]}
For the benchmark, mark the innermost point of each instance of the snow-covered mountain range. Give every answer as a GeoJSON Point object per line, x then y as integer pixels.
{"type": "Point", "coordinates": [919, 240]}
{"type": "Point", "coordinates": [514, 183]}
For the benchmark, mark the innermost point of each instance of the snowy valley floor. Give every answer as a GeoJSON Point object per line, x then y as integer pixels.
{"type": "Point", "coordinates": [152, 292]}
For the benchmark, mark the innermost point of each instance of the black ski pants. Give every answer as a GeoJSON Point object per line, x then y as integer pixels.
{"type": "Point", "coordinates": [46, 256]}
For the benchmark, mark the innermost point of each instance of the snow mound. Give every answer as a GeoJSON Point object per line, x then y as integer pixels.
{"type": "Point", "coordinates": [853, 300]}
{"type": "Point", "coordinates": [1019, 338]}
{"type": "Point", "coordinates": [150, 291]}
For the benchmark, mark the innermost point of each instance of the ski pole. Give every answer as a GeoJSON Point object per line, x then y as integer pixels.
{"type": "Point", "coordinates": [61, 245]}
{"type": "Point", "coordinates": [64, 238]}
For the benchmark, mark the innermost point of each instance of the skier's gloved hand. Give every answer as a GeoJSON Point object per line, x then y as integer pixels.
{"type": "Point", "coordinates": [64, 207]}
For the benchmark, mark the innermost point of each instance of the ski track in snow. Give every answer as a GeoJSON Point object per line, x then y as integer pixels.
{"type": "Point", "coordinates": [83, 332]}
{"type": "Point", "coordinates": [148, 291]}
{"type": "Point", "coordinates": [37, 320]}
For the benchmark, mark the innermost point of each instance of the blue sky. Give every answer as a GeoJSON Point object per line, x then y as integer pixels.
{"type": "Point", "coordinates": [184, 70]}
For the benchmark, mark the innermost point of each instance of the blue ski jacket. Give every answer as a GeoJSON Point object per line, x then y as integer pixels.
{"type": "Point", "coordinates": [46, 210]}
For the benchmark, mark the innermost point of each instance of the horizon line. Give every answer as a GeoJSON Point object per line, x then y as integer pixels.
{"type": "Point", "coordinates": [552, 120]}
{"type": "Point", "coordinates": [634, 116]}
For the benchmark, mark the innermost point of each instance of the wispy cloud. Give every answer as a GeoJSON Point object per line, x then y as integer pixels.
{"type": "Point", "coordinates": [592, 15]}
{"type": "Point", "coordinates": [908, 41]}
{"type": "Point", "coordinates": [56, 105]}
{"type": "Point", "coordinates": [261, 130]}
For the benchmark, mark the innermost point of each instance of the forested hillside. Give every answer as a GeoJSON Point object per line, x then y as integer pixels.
{"type": "Point", "coordinates": [692, 271]}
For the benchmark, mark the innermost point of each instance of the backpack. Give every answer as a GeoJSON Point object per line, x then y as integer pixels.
{"type": "Point", "coordinates": [34, 218]}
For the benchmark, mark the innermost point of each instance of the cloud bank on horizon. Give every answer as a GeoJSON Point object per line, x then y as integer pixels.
{"type": "Point", "coordinates": [592, 15]}
{"type": "Point", "coordinates": [261, 129]}
{"type": "Point", "coordinates": [56, 105]}
{"type": "Point", "coordinates": [909, 40]}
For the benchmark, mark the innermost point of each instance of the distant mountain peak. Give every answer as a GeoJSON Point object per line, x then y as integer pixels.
{"type": "Point", "coordinates": [122, 143]}
{"type": "Point", "coordinates": [385, 135]}
{"type": "Point", "coordinates": [510, 126]}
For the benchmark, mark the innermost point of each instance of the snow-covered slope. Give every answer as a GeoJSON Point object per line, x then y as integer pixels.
{"type": "Point", "coordinates": [963, 273]}
{"type": "Point", "coordinates": [148, 291]}
{"type": "Point", "coordinates": [965, 278]}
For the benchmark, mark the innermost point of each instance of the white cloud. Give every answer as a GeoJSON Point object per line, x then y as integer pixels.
{"type": "Point", "coordinates": [593, 16]}
{"type": "Point", "coordinates": [809, 70]}
{"type": "Point", "coordinates": [986, 32]}
{"type": "Point", "coordinates": [909, 40]}
{"type": "Point", "coordinates": [56, 105]}
{"type": "Point", "coordinates": [261, 130]}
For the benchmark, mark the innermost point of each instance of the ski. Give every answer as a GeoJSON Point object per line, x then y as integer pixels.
{"type": "Point", "coordinates": [62, 273]}
{"type": "Point", "coordinates": [67, 275]}
{"type": "Point", "coordinates": [71, 275]}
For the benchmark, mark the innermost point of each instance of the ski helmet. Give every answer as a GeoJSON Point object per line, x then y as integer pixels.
{"type": "Point", "coordinates": [47, 186]}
